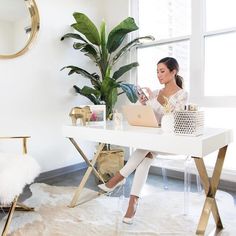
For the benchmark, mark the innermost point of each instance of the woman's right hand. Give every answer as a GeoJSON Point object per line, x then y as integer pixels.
{"type": "Point", "coordinates": [148, 92]}
{"type": "Point", "coordinates": [144, 97]}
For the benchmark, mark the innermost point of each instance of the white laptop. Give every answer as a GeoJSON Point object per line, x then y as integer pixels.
{"type": "Point", "coordinates": [140, 115]}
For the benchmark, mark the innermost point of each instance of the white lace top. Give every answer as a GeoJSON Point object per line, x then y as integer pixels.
{"type": "Point", "coordinates": [177, 101]}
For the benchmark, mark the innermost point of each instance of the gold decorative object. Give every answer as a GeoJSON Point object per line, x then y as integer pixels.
{"type": "Point", "coordinates": [82, 113]}
{"type": "Point", "coordinates": [166, 105]}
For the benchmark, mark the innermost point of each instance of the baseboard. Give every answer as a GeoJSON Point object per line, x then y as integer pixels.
{"type": "Point", "coordinates": [224, 184]}
{"type": "Point", "coordinates": [61, 171]}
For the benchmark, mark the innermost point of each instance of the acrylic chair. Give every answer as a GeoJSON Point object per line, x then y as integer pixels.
{"type": "Point", "coordinates": [15, 172]}
{"type": "Point", "coordinates": [183, 163]}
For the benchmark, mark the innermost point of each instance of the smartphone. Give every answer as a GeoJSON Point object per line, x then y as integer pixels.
{"type": "Point", "coordinates": [140, 93]}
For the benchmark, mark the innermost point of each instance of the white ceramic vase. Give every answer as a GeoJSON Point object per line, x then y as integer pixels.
{"type": "Point", "coordinates": [167, 123]}
{"type": "Point", "coordinates": [117, 119]}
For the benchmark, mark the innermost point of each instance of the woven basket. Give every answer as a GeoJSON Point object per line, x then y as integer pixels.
{"type": "Point", "coordinates": [109, 162]}
{"type": "Point", "coordinates": [189, 123]}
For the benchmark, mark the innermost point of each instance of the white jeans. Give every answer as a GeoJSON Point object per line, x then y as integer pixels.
{"type": "Point", "coordinates": [142, 164]}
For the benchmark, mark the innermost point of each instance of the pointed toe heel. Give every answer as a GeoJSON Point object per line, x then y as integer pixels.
{"type": "Point", "coordinates": [106, 189]}
{"type": "Point", "coordinates": [128, 221]}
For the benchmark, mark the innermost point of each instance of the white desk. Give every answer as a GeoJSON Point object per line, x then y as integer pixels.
{"type": "Point", "coordinates": [155, 140]}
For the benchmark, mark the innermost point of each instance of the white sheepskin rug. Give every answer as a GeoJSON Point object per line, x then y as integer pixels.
{"type": "Point", "coordinates": [100, 215]}
{"type": "Point", "coordinates": [15, 172]}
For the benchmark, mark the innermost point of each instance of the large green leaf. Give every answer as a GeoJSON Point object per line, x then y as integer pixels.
{"type": "Point", "coordinates": [97, 84]}
{"type": "Point", "coordinates": [111, 100]}
{"type": "Point", "coordinates": [114, 96]}
{"type": "Point", "coordinates": [90, 96]}
{"type": "Point", "coordinates": [86, 90]}
{"type": "Point", "coordinates": [108, 72]}
{"type": "Point", "coordinates": [130, 45]}
{"type": "Point", "coordinates": [85, 26]}
{"type": "Point", "coordinates": [130, 91]}
{"type": "Point", "coordinates": [94, 79]}
{"type": "Point", "coordinates": [117, 35]}
{"type": "Point", "coordinates": [89, 50]}
{"type": "Point", "coordinates": [122, 70]}
{"type": "Point", "coordinates": [74, 36]}
{"type": "Point", "coordinates": [107, 85]}
{"type": "Point", "coordinates": [78, 45]}
{"type": "Point", "coordinates": [104, 53]}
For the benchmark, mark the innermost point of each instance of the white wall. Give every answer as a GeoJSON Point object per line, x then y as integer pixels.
{"type": "Point", "coordinates": [6, 31]}
{"type": "Point", "coordinates": [35, 94]}
{"type": "Point", "coordinates": [20, 35]}
{"type": "Point", "coordinates": [115, 12]}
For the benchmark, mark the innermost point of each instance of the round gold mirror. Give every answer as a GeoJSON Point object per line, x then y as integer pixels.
{"type": "Point", "coordinates": [19, 24]}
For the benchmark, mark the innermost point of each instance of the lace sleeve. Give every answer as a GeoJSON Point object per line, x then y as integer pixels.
{"type": "Point", "coordinates": [156, 106]}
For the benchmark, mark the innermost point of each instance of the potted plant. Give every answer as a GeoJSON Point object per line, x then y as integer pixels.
{"type": "Point", "coordinates": [105, 51]}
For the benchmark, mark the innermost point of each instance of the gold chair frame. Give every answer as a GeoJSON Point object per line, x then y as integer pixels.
{"type": "Point", "coordinates": [15, 205]}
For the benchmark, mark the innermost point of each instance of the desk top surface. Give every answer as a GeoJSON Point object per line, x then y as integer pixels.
{"type": "Point", "coordinates": [152, 138]}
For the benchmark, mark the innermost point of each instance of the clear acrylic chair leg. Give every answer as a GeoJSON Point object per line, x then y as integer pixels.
{"type": "Point", "coordinates": [187, 185]}
{"type": "Point", "coordinates": [165, 179]}
{"type": "Point", "coordinates": [187, 181]}
{"type": "Point", "coordinates": [198, 181]}
{"type": "Point", "coordinates": [120, 211]}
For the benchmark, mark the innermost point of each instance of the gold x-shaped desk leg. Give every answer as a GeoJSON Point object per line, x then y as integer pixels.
{"type": "Point", "coordinates": [210, 186]}
{"type": "Point", "coordinates": [88, 171]}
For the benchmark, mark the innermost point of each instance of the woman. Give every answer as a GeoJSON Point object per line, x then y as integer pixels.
{"type": "Point", "coordinates": [141, 160]}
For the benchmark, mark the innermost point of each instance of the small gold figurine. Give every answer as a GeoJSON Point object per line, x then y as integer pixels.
{"type": "Point", "coordinates": [82, 113]}
{"type": "Point", "coordinates": [166, 105]}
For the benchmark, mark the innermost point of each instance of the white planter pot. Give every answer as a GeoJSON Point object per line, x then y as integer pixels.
{"type": "Point", "coordinates": [167, 123]}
